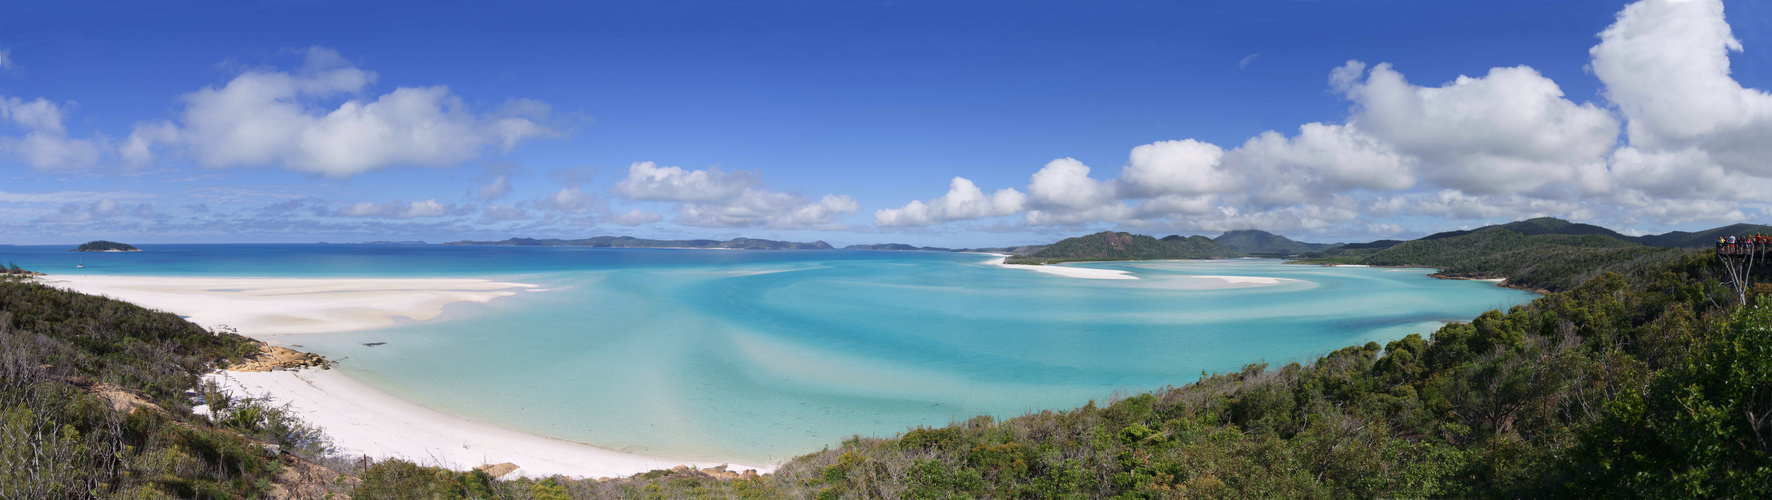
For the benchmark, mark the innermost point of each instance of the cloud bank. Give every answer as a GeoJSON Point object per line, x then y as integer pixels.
{"type": "Point", "coordinates": [1502, 145]}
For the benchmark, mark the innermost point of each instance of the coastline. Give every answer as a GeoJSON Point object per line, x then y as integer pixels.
{"type": "Point", "coordinates": [361, 420]}
{"type": "Point", "coordinates": [1069, 272]}
{"type": "Point", "coordinates": [364, 421]}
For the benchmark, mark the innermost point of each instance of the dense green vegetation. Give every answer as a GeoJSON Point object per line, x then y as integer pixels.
{"type": "Point", "coordinates": [1256, 242]}
{"type": "Point", "coordinates": [1200, 247]}
{"type": "Point", "coordinates": [1109, 245]}
{"type": "Point", "coordinates": [632, 242]}
{"type": "Point", "coordinates": [1545, 261]}
{"type": "Point", "coordinates": [94, 403]}
{"type": "Point", "coordinates": [105, 246]}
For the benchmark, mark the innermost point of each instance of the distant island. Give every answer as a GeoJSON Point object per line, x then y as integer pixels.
{"type": "Point", "coordinates": [105, 246]}
{"type": "Point", "coordinates": [412, 242]}
{"type": "Point", "coordinates": [897, 247]}
{"type": "Point", "coordinates": [632, 242]}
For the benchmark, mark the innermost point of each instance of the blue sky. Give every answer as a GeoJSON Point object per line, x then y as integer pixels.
{"type": "Point", "coordinates": [300, 122]}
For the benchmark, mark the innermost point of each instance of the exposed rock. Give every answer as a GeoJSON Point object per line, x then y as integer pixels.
{"type": "Point", "coordinates": [497, 470]}
{"type": "Point", "coordinates": [272, 358]}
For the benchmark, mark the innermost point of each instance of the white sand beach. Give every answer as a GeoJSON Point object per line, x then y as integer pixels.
{"type": "Point", "coordinates": [364, 421]}
{"type": "Point", "coordinates": [285, 306]}
{"type": "Point", "coordinates": [359, 419]}
{"type": "Point", "coordinates": [1069, 272]}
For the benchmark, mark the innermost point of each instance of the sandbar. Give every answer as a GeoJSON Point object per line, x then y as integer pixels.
{"type": "Point", "coordinates": [361, 420]}
{"type": "Point", "coordinates": [286, 306]}
{"type": "Point", "coordinates": [1247, 280]}
{"type": "Point", "coordinates": [1066, 271]}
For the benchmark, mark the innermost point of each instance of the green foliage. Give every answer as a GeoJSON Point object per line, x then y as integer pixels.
{"type": "Point", "coordinates": [59, 438]}
{"type": "Point", "coordinates": [1543, 261]}
{"type": "Point", "coordinates": [1702, 429]}
{"type": "Point", "coordinates": [1252, 241]}
{"type": "Point", "coordinates": [1108, 245]}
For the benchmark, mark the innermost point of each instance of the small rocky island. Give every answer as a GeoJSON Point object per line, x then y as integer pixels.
{"type": "Point", "coordinates": [105, 246]}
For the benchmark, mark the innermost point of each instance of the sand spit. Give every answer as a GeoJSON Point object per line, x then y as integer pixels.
{"type": "Point", "coordinates": [1069, 272]}
{"type": "Point", "coordinates": [284, 306]}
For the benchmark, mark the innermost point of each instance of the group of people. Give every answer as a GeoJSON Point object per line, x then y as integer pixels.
{"type": "Point", "coordinates": [1743, 244]}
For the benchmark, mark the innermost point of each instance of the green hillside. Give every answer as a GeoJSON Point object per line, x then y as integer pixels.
{"type": "Point", "coordinates": [94, 404]}
{"type": "Point", "coordinates": [1253, 241]}
{"type": "Point", "coordinates": [1108, 245]}
{"type": "Point", "coordinates": [1538, 226]}
{"type": "Point", "coordinates": [1201, 247]}
{"type": "Point", "coordinates": [1105, 245]}
{"type": "Point", "coordinates": [1544, 261]}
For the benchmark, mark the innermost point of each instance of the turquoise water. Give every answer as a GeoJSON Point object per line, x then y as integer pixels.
{"type": "Point", "coordinates": [755, 356]}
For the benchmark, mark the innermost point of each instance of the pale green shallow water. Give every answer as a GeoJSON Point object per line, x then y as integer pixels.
{"type": "Point", "coordinates": [755, 357]}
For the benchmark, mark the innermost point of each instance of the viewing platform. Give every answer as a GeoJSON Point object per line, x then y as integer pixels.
{"type": "Point", "coordinates": [1743, 250]}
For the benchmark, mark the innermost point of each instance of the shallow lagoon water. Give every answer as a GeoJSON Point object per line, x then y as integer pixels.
{"type": "Point", "coordinates": [758, 356]}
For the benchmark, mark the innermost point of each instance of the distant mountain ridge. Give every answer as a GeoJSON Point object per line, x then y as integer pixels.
{"type": "Point", "coordinates": [1701, 239]}
{"type": "Point", "coordinates": [632, 242]}
{"type": "Point", "coordinates": [898, 247]}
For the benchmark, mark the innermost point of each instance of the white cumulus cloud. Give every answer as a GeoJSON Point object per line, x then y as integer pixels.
{"type": "Point", "coordinates": [45, 144]}
{"type": "Point", "coordinates": [1665, 64]}
{"type": "Point", "coordinates": [270, 118]}
{"type": "Point", "coordinates": [715, 198]}
{"type": "Point", "coordinates": [963, 201]}
{"type": "Point", "coordinates": [1509, 131]}
{"type": "Point", "coordinates": [1184, 167]}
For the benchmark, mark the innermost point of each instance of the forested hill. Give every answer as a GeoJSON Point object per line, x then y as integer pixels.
{"type": "Point", "coordinates": [1252, 241]}
{"type": "Point", "coordinates": [1541, 225]}
{"type": "Point", "coordinates": [1109, 245]}
{"type": "Point", "coordinates": [632, 242]}
{"type": "Point", "coordinates": [1201, 247]}
{"type": "Point", "coordinates": [1544, 261]}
